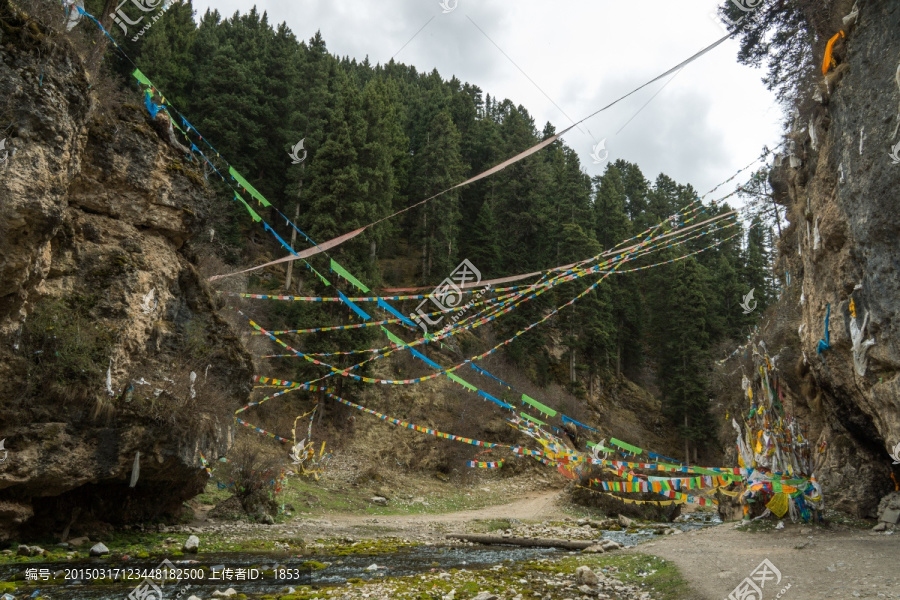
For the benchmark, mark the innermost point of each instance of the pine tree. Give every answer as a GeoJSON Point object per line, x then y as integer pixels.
{"type": "Point", "coordinates": [757, 273]}
{"type": "Point", "coordinates": [438, 166]}
{"type": "Point", "coordinates": [683, 352]}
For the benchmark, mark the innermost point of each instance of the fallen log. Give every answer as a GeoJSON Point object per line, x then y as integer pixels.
{"type": "Point", "coordinates": [521, 541]}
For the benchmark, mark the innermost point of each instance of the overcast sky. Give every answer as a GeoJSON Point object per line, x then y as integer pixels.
{"type": "Point", "coordinates": [575, 56]}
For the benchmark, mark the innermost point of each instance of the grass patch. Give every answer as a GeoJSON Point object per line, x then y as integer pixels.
{"type": "Point", "coordinates": [490, 525]}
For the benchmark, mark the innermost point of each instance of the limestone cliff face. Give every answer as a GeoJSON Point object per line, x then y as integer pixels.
{"type": "Point", "coordinates": [843, 246]}
{"type": "Point", "coordinates": [109, 340]}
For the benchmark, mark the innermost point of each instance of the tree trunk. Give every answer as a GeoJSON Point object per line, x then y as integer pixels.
{"type": "Point", "coordinates": [290, 268]}
{"type": "Point", "coordinates": [687, 449]}
{"type": "Point", "coordinates": [103, 17]}
{"type": "Point", "coordinates": [618, 361]}
{"type": "Point", "coordinates": [518, 541]}
{"type": "Point", "coordinates": [424, 246]}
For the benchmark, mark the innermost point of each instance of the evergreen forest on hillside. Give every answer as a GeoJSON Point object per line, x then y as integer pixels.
{"type": "Point", "coordinates": [382, 137]}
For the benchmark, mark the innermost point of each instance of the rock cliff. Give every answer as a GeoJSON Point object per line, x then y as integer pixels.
{"type": "Point", "coordinates": [113, 362]}
{"type": "Point", "coordinates": [842, 193]}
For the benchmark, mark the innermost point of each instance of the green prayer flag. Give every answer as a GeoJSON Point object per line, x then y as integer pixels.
{"type": "Point", "coordinates": [393, 337]}
{"type": "Point", "coordinates": [462, 382]}
{"type": "Point", "coordinates": [252, 212]}
{"type": "Point", "coordinates": [246, 185]}
{"type": "Point", "coordinates": [142, 78]}
{"type": "Point", "coordinates": [319, 275]}
{"type": "Point", "coordinates": [346, 275]}
{"type": "Point", "coordinates": [532, 419]}
{"type": "Point", "coordinates": [777, 487]}
{"type": "Point", "coordinates": [702, 471]}
{"type": "Point", "coordinates": [542, 408]}
{"type": "Point", "coordinates": [602, 448]}
{"type": "Point", "coordinates": [624, 446]}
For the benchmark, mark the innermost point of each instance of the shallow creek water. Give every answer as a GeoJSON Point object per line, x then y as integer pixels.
{"type": "Point", "coordinates": [289, 571]}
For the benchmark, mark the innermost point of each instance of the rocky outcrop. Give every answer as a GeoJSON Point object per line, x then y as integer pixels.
{"type": "Point", "coordinates": [842, 193]}
{"type": "Point", "coordinates": [116, 373]}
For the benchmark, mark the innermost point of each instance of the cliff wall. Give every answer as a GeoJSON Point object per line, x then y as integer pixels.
{"type": "Point", "coordinates": [110, 344]}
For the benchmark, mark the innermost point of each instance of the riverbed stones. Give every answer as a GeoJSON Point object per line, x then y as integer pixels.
{"type": "Point", "coordinates": [24, 550]}
{"type": "Point", "coordinates": [99, 549]}
{"type": "Point", "coordinates": [610, 545]}
{"type": "Point", "coordinates": [191, 545]}
{"type": "Point", "coordinates": [485, 596]}
{"type": "Point", "coordinates": [584, 575]}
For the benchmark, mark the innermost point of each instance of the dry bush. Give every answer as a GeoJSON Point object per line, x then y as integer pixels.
{"type": "Point", "coordinates": [253, 467]}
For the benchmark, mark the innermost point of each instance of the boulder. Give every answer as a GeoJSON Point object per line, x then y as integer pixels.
{"type": "Point", "coordinates": [625, 521]}
{"type": "Point", "coordinates": [99, 549]}
{"type": "Point", "coordinates": [380, 500]}
{"type": "Point", "coordinates": [890, 516]}
{"type": "Point", "coordinates": [485, 596]}
{"type": "Point", "coordinates": [191, 545]}
{"type": "Point", "coordinates": [610, 545]}
{"type": "Point", "coordinates": [595, 549]}
{"type": "Point", "coordinates": [226, 594]}
{"type": "Point", "coordinates": [79, 541]}
{"type": "Point", "coordinates": [584, 575]}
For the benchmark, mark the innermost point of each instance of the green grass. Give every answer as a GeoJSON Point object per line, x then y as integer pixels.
{"type": "Point", "coordinates": [490, 525]}
{"type": "Point", "coordinates": [839, 518]}
{"type": "Point", "coordinates": [313, 498]}
{"type": "Point", "coordinates": [666, 582]}
{"type": "Point", "coordinates": [212, 494]}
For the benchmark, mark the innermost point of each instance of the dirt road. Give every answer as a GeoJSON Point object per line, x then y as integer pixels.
{"type": "Point", "coordinates": [818, 563]}
{"type": "Point", "coordinates": [533, 506]}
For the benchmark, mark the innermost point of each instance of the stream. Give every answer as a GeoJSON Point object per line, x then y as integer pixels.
{"type": "Point", "coordinates": [272, 573]}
